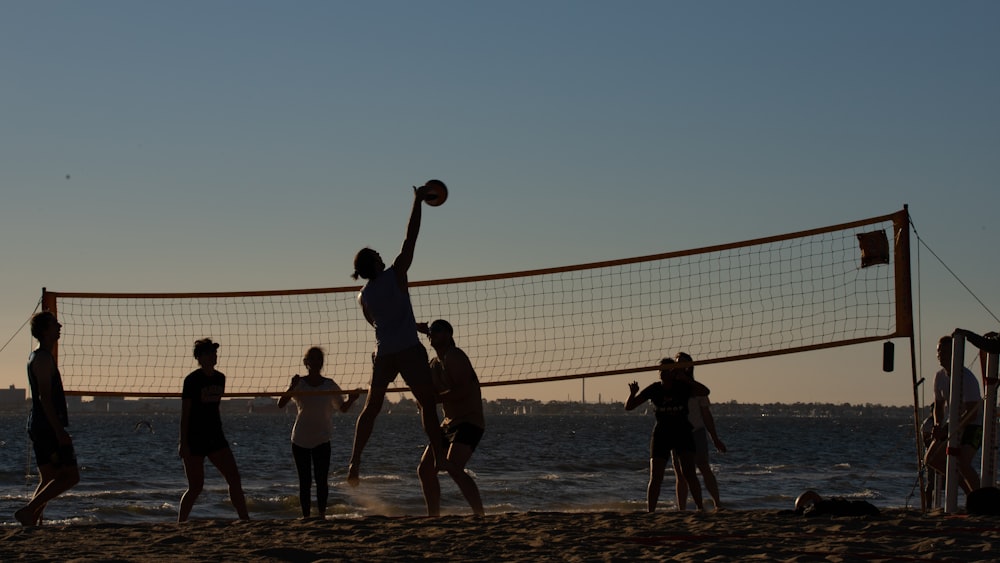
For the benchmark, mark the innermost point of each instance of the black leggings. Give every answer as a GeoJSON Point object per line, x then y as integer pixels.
{"type": "Point", "coordinates": [317, 459]}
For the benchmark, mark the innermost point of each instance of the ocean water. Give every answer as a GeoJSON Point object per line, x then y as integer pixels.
{"type": "Point", "coordinates": [524, 463]}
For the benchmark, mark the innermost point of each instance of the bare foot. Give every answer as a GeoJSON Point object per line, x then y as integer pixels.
{"type": "Point", "coordinates": [353, 472]}
{"type": "Point", "coordinates": [24, 517]}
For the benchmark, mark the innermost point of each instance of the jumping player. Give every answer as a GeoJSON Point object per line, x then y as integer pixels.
{"type": "Point", "coordinates": [385, 302]}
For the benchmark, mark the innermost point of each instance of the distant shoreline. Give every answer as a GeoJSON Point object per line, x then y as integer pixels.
{"type": "Point", "coordinates": [502, 407]}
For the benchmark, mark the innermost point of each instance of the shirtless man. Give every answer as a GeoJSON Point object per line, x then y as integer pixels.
{"type": "Point", "coordinates": [457, 389]}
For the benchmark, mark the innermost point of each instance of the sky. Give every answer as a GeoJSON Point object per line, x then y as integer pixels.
{"type": "Point", "coordinates": [245, 145]}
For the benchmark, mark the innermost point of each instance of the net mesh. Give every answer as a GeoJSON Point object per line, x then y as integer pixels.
{"type": "Point", "coordinates": [778, 295]}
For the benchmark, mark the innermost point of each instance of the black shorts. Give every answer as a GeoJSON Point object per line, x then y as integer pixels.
{"type": "Point", "coordinates": [464, 433]}
{"type": "Point", "coordinates": [204, 445]}
{"type": "Point", "coordinates": [411, 363]}
{"type": "Point", "coordinates": [48, 450]}
{"type": "Point", "coordinates": [973, 436]}
{"type": "Point", "coordinates": [662, 443]}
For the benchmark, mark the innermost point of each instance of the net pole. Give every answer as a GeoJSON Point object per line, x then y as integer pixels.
{"type": "Point", "coordinates": [989, 461]}
{"type": "Point", "coordinates": [904, 327]}
{"type": "Point", "coordinates": [925, 502]}
{"type": "Point", "coordinates": [904, 293]}
{"type": "Point", "coordinates": [955, 404]}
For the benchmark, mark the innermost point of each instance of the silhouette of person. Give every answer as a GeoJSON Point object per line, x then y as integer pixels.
{"type": "Point", "coordinates": [313, 429]}
{"type": "Point", "coordinates": [672, 432]}
{"type": "Point", "coordinates": [385, 303]}
{"type": "Point", "coordinates": [700, 415]}
{"type": "Point", "coordinates": [201, 432]}
{"type": "Point", "coordinates": [970, 425]}
{"type": "Point", "coordinates": [457, 389]}
{"type": "Point", "coordinates": [54, 454]}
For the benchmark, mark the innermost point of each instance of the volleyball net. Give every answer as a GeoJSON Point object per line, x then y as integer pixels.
{"type": "Point", "coordinates": [826, 287]}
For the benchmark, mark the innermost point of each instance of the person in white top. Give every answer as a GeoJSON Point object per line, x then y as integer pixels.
{"type": "Point", "coordinates": [700, 416]}
{"type": "Point", "coordinates": [317, 398]}
{"type": "Point", "coordinates": [970, 426]}
{"type": "Point", "coordinates": [386, 305]}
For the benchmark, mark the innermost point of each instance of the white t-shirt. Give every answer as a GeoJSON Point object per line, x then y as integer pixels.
{"type": "Point", "coordinates": [695, 404]}
{"type": "Point", "coordinates": [970, 392]}
{"type": "Point", "coordinates": [314, 421]}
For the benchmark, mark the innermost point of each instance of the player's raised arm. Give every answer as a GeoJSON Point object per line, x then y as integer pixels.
{"type": "Point", "coordinates": [405, 258]}
{"type": "Point", "coordinates": [433, 193]}
{"type": "Point", "coordinates": [634, 397]}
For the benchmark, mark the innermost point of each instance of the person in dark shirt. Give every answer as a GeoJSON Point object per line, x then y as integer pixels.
{"type": "Point", "coordinates": [201, 432]}
{"type": "Point", "coordinates": [673, 430]}
{"type": "Point", "coordinates": [54, 454]}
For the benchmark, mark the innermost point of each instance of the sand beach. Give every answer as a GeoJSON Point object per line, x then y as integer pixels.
{"type": "Point", "coordinates": [895, 535]}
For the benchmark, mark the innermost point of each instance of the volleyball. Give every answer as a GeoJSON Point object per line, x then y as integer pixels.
{"type": "Point", "coordinates": [437, 192]}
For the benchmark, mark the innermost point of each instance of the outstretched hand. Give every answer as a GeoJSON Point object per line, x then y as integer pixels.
{"type": "Point", "coordinates": [346, 405]}
{"type": "Point", "coordinates": [719, 445]}
{"type": "Point", "coordinates": [421, 193]}
{"type": "Point", "coordinates": [633, 387]}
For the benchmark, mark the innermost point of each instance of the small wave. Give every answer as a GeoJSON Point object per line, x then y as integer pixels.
{"type": "Point", "coordinates": [137, 510]}
{"type": "Point", "coordinates": [867, 494]}
{"type": "Point", "coordinates": [371, 479]}
{"type": "Point", "coordinates": [500, 507]}
{"type": "Point", "coordinates": [273, 503]}
{"type": "Point", "coordinates": [757, 472]}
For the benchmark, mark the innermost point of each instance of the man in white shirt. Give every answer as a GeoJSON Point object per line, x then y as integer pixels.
{"type": "Point", "coordinates": [970, 422]}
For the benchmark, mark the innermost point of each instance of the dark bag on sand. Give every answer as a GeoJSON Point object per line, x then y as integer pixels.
{"type": "Point", "coordinates": [841, 507]}
{"type": "Point", "coordinates": [984, 501]}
